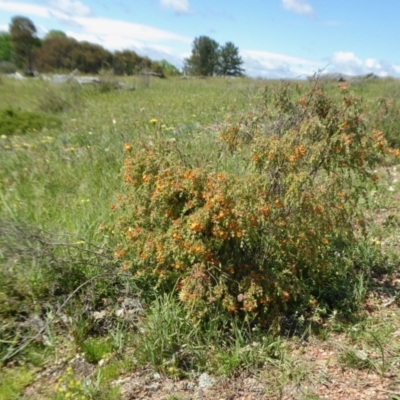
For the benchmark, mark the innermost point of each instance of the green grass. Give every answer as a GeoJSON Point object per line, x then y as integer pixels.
{"type": "Point", "coordinates": [56, 188]}
{"type": "Point", "coordinates": [13, 381]}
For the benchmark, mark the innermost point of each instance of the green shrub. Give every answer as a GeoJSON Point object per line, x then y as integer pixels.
{"type": "Point", "coordinates": [272, 235]}
{"type": "Point", "coordinates": [17, 121]}
{"type": "Point", "coordinates": [7, 67]}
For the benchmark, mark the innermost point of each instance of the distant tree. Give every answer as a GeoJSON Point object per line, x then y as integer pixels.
{"type": "Point", "coordinates": [66, 54]}
{"type": "Point", "coordinates": [229, 61]}
{"type": "Point", "coordinates": [24, 40]}
{"type": "Point", "coordinates": [90, 58]}
{"type": "Point", "coordinates": [55, 54]}
{"type": "Point", "coordinates": [5, 47]}
{"type": "Point", "coordinates": [54, 33]}
{"type": "Point", "coordinates": [204, 58]}
{"type": "Point", "coordinates": [168, 68]}
{"type": "Point", "coordinates": [126, 62]}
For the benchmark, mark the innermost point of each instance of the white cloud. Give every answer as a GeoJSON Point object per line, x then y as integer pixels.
{"type": "Point", "coordinates": [70, 7]}
{"type": "Point", "coordinates": [298, 7]}
{"type": "Point", "coordinates": [274, 65]}
{"type": "Point", "coordinates": [3, 28]}
{"type": "Point", "coordinates": [105, 27]}
{"type": "Point", "coordinates": [180, 6]}
{"type": "Point", "coordinates": [396, 68]}
{"type": "Point", "coordinates": [346, 62]}
{"type": "Point", "coordinates": [24, 8]}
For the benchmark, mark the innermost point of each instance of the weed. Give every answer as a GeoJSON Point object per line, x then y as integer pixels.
{"type": "Point", "coordinates": [95, 349]}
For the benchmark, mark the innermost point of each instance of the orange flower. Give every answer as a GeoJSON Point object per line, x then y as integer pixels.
{"type": "Point", "coordinates": [125, 266]}
{"type": "Point", "coordinates": [119, 253]}
{"type": "Point", "coordinates": [302, 101]}
{"type": "Point", "coordinates": [127, 147]}
{"type": "Point", "coordinates": [300, 151]}
{"type": "Point", "coordinates": [176, 236]}
{"type": "Point", "coordinates": [285, 296]}
{"type": "Point", "coordinates": [319, 208]}
{"type": "Point", "coordinates": [313, 303]}
{"type": "Point", "coordinates": [177, 265]}
{"type": "Point", "coordinates": [196, 226]}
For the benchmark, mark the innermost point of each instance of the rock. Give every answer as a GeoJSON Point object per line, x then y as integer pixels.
{"type": "Point", "coordinates": [151, 73]}
{"type": "Point", "coordinates": [16, 75]}
{"type": "Point", "coordinates": [206, 381]}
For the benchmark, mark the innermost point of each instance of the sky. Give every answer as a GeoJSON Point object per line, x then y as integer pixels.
{"type": "Point", "coordinates": [276, 38]}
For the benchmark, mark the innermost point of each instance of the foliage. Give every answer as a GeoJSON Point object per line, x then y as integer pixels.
{"type": "Point", "coordinates": [127, 62]}
{"type": "Point", "coordinates": [95, 349]}
{"type": "Point", "coordinates": [64, 53]}
{"type": "Point", "coordinates": [5, 47]}
{"type": "Point", "coordinates": [168, 69]}
{"type": "Point", "coordinates": [24, 40]}
{"type": "Point", "coordinates": [55, 33]}
{"type": "Point", "coordinates": [7, 67]}
{"type": "Point", "coordinates": [204, 58]}
{"type": "Point", "coordinates": [264, 239]}
{"type": "Point", "coordinates": [17, 121]}
{"type": "Point", "coordinates": [229, 61]}
{"type": "Point", "coordinates": [208, 58]}
{"type": "Point", "coordinates": [55, 54]}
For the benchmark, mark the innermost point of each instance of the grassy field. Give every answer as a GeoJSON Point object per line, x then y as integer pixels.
{"type": "Point", "coordinates": [75, 326]}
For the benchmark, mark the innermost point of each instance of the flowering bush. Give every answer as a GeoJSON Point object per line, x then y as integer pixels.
{"type": "Point", "coordinates": [272, 236]}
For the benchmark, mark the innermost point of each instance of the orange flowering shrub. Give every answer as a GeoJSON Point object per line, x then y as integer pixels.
{"type": "Point", "coordinates": [273, 236]}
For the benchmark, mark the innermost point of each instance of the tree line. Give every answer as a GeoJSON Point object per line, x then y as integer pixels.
{"type": "Point", "coordinates": [58, 52]}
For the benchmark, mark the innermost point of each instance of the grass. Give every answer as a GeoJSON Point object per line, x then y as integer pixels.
{"type": "Point", "coordinates": [13, 381]}
{"type": "Point", "coordinates": [56, 188]}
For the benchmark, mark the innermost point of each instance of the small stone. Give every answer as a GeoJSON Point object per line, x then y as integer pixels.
{"type": "Point", "coordinates": [153, 386]}
{"type": "Point", "coordinates": [206, 381]}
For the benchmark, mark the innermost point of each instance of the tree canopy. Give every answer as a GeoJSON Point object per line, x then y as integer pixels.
{"type": "Point", "coordinates": [204, 58]}
{"type": "Point", "coordinates": [24, 40]}
{"type": "Point", "coordinates": [5, 47]}
{"type": "Point", "coordinates": [229, 61]}
{"type": "Point", "coordinates": [55, 33]}
{"type": "Point", "coordinates": [208, 58]}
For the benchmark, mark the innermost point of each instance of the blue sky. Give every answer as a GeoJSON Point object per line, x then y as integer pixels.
{"type": "Point", "coordinates": [276, 38]}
